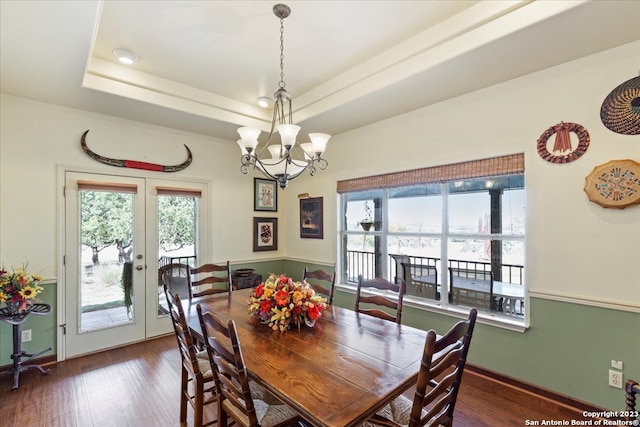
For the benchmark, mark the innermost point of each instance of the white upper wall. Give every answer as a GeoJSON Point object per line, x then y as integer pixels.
{"type": "Point", "coordinates": [37, 139]}
{"type": "Point", "coordinates": [575, 248]}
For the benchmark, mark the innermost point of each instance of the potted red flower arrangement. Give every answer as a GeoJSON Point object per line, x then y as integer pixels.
{"type": "Point", "coordinates": [280, 302]}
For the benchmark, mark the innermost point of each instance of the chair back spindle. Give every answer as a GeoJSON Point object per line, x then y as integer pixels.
{"type": "Point", "coordinates": [217, 278]}
{"type": "Point", "coordinates": [392, 302]}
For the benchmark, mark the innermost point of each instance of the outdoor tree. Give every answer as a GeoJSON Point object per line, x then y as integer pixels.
{"type": "Point", "coordinates": [107, 220]}
{"type": "Point", "coordinates": [176, 226]}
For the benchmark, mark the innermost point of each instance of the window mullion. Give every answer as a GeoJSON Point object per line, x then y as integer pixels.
{"type": "Point", "coordinates": [444, 245]}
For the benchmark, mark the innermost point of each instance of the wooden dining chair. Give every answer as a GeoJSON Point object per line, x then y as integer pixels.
{"type": "Point", "coordinates": [197, 386]}
{"type": "Point", "coordinates": [380, 284]}
{"type": "Point", "coordinates": [245, 402]}
{"type": "Point", "coordinates": [217, 278]}
{"type": "Point", "coordinates": [439, 378]}
{"type": "Point", "coordinates": [320, 287]}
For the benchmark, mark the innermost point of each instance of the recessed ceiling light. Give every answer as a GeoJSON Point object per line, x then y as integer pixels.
{"type": "Point", "coordinates": [264, 101]}
{"type": "Point", "coordinates": [125, 56]}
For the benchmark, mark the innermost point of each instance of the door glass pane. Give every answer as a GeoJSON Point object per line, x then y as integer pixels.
{"type": "Point", "coordinates": [106, 281]}
{"type": "Point", "coordinates": [177, 219]}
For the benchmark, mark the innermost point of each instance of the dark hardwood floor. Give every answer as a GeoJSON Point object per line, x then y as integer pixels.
{"type": "Point", "coordinates": [138, 385]}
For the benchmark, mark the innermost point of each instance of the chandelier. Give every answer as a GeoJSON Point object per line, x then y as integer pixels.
{"type": "Point", "coordinates": [288, 160]}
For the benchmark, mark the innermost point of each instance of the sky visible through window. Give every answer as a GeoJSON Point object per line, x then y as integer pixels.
{"type": "Point", "coordinates": [466, 212]}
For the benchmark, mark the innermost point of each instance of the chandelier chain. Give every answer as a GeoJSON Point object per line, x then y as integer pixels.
{"type": "Point", "coordinates": [290, 159]}
{"type": "Point", "coordinates": [282, 84]}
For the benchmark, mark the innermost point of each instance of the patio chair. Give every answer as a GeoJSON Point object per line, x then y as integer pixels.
{"type": "Point", "coordinates": [421, 280]}
{"type": "Point", "coordinates": [176, 278]}
{"type": "Point", "coordinates": [472, 288]}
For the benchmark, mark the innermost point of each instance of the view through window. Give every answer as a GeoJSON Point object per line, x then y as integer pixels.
{"type": "Point", "coordinates": [459, 242]}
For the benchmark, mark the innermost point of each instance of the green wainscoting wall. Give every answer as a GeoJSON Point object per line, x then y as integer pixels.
{"type": "Point", "coordinates": [43, 330]}
{"type": "Point", "coordinates": [567, 349]}
{"type": "Point", "coordinates": [263, 268]}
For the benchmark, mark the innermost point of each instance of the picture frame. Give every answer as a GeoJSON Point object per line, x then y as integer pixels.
{"type": "Point", "coordinates": [265, 234]}
{"type": "Point", "coordinates": [311, 218]}
{"type": "Point", "coordinates": [265, 195]}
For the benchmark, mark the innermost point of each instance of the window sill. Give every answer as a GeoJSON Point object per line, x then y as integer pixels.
{"type": "Point", "coordinates": [491, 319]}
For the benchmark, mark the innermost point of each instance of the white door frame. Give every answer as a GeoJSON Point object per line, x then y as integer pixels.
{"type": "Point", "coordinates": [204, 245]}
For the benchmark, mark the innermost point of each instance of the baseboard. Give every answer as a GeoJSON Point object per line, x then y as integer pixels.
{"type": "Point", "coordinates": [513, 388]}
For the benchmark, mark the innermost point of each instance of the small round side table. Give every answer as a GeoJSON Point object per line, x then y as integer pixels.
{"type": "Point", "coordinates": [16, 320]}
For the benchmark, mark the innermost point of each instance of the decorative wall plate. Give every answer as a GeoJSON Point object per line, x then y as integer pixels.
{"type": "Point", "coordinates": [615, 184]}
{"type": "Point", "coordinates": [562, 151]}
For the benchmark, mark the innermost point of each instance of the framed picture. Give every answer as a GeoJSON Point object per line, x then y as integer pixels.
{"type": "Point", "coordinates": [265, 234]}
{"type": "Point", "coordinates": [265, 195]}
{"type": "Point", "coordinates": [311, 218]}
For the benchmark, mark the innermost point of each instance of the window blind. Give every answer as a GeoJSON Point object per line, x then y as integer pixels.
{"type": "Point", "coordinates": [172, 191]}
{"type": "Point", "coordinates": [505, 165]}
{"type": "Point", "coordinates": [107, 186]}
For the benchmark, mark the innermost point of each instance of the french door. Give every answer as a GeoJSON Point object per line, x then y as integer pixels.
{"type": "Point", "coordinates": [113, 237]}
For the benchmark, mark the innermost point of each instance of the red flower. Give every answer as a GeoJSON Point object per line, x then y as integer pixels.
{"type": "Point", "coordinates": [265, 306]}
{"type": "Point", "coordinates": [283, 280]}
{"type": "Point", "coordinates": [313, 312]}
{"type": "Point", "coordinates": [259, 290]}
{"type": "Point", "coordinates": [282, 297]}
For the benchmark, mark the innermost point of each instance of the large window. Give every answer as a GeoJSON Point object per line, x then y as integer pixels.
{"type": "Point", "coordinates": [456, 239]}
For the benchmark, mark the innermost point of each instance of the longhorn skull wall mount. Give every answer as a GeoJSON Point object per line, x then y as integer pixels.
{"type": "Point", "coordinates": [133, 164]}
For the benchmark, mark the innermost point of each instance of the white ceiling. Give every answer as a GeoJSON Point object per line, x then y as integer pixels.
{"type": "Point", "coordinates": [202, 64]}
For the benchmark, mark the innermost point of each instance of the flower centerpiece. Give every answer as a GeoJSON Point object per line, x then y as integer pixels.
{"type": "Point", "coordinates": [280, 302]}
{"type": "Point", "coordinates": [18, 289]}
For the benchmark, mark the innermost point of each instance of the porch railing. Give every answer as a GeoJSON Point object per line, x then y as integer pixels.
{"type": "Point", "coordinates": [188, 260]}
{"type": "Point", "coordinates": [360, 262]}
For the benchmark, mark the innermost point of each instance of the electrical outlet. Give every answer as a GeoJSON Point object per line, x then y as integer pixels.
{"type": "Point", "coordinates": [615, 378]}
{"type": "Point", "coordinates": [26, 335]}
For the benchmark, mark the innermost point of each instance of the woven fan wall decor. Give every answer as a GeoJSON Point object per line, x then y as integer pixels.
{"type": "Point", "coordinates": [620, 111]}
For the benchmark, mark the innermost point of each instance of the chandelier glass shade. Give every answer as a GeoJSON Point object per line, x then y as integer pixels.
{"type": "Point", "coordinates": [288, 160]}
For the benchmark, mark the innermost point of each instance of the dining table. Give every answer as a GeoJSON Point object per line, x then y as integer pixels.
{"type": "Point", "coordinates": [335, 374]}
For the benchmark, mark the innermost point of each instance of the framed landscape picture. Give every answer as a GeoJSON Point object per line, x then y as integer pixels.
{"type": "Point", "coordinates": [265, 195]}
{"type": "Point", "coordinates": [265, 234]}
{"type": "Point", "coordinates": [311, 220]}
